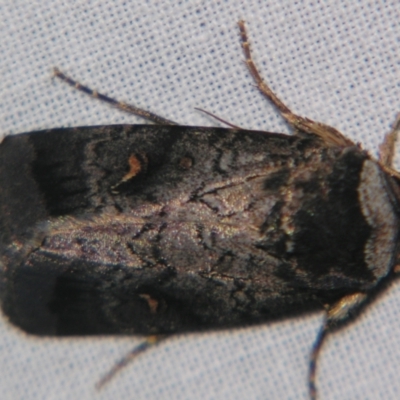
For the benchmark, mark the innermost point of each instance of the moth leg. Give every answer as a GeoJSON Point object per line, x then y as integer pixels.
{"type": "Point", "coordinates": [328, 134]}
{"type": "Point", "coordinates": [150, 341]}
{"type": "Point", "coordinates": [117, 104]}
{"type": "Point", "coordinates": [336, 314]}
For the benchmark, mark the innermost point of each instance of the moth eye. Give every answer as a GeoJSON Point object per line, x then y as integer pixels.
{"type": "Point", "coordinates": [186, 162]}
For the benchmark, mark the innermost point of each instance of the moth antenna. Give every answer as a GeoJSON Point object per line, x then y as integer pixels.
{"type": "Point", "coordinates": [328, 134]}
{"type": "Point", "coordinates": [150, 341]}
{"type": "Point", "coordinates": [388, 147]}
{"type": "Point", "coordinates": [129, 108]}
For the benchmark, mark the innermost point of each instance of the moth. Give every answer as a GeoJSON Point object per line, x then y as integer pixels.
{"type": "Point", "coordinates": [162, 229]}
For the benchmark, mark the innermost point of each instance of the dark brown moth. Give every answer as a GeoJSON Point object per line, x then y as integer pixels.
{"type": "Point", "coordinates": [163, 229]}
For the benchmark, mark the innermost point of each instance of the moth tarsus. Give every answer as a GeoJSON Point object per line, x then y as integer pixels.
{"type": "Point", "coordinates": [157, 230]}
{"type": "Point", "coordinates": [150, 341]}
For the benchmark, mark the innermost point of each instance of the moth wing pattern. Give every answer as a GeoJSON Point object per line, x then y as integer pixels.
{"type": "Point", "coordinates": [138, 200]}
{"type": "Point", "coordinates": [157, 230]}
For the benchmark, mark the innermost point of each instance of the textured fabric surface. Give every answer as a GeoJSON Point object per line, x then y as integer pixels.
{"type": "Point", "coordinates": [334, 61]}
